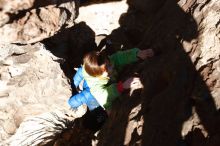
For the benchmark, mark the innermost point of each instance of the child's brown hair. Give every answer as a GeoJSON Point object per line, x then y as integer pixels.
{"type": "Point", "coordinates": [95, 63]}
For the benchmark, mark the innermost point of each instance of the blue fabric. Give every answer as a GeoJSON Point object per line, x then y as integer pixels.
{"type": "Point", "coordinates": [85, 96]}
{"type": "Point", "coordinates": [78, 77]}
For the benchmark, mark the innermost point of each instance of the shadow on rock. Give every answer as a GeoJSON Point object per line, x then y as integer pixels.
{"type": "Point", "coordinates": [70, 45]}
{"type": "Point", "coordinates": [174, 91]}
{"type": "Point", "coordinates": [90, 2]}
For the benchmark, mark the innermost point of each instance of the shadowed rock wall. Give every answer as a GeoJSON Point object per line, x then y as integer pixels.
{"type": "Point", "coordinates": [180, 101]}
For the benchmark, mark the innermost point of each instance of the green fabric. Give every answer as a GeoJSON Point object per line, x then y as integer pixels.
{"type": "Point", "coordinates": [104, 94]}
{"type": "Point", "coordinates": [112, 95]}
{"type": "Point", "coordinates": [99, 90]}
{"type": "Point", "coordinates": [122, 58]}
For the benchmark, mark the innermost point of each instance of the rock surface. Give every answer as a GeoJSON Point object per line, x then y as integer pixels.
{"type": "Point", "coordinates": [32, 83]}
{"type": "Point", "coordinates": [102, 18]}
{"type": "Point", "coordinates": [179, 104]}
{"type": "Point", "coordinates": [180, 100]}
{"type": "Point", "coordinates": [45, 128]}
{"type": "Point", "coordinates": [31, 21]}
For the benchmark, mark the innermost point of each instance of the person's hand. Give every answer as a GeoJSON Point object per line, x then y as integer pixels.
{"type": "Point", "coordinates": [133, 82]}
{"type": "Point", "coordinates": [143, 54]}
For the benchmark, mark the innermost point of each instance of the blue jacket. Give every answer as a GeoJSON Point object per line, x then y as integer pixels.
{"type": "Point", "coordinates": [85, 96]}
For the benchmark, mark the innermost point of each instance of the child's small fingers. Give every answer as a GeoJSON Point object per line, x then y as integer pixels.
{"type": "Point", "coordinates": [150, 54]}
{"type": "Point", "coordinates": [151, 51]}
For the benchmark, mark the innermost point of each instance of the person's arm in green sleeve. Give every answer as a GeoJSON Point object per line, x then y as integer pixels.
{"type": "Point", "coordinates": [122, 58]}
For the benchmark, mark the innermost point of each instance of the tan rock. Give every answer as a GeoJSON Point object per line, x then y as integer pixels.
{"type": "Point", "coordinates": [10, 127]}
{"type": "Point", "coordinates": [32, 21]}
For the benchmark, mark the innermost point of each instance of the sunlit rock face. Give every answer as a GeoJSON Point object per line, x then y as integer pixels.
{"type": "Point", "coordinates": [31, 21]}
{"type": "Point", "coordinates": [31, 83]}
{"type": "Point", "coordinates": [102, 17]}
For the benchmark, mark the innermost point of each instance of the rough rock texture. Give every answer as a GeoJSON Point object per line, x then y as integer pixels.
{"type": "Point", "coordinates": [70, 45]}
{"type": "Point", "coordinates": [32, 82]}
{"type": "Point", "coordinates": [47, 128]}
{"type": "Point", "coordinates": [179, 104]}
{"type": "Point", "coordinates": [102, 18]}
{"type": "Point", "coordinates": [31, 21]}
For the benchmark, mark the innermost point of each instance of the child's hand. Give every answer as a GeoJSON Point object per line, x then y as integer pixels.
{"type": "Point", "coordinates": [133, 82]}
{"type": "Point", "coordinates": [143, 54]}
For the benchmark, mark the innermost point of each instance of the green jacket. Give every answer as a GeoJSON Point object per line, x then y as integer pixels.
{"type": "Point", "coordinates": [106, 94]}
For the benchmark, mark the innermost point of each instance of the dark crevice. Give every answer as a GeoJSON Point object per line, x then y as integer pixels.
{"type": "Point", "coordinates": [217, 24]}
{"type": "Point", "coordinates": [203, 5]}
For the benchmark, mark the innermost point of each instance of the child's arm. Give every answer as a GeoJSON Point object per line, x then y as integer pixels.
{"type": "Point", "coordinates": [84, 97]}
{"type": "Point", "coordinates": [122, 58]}
{"type": "Point", "coordinates": [78, 77]}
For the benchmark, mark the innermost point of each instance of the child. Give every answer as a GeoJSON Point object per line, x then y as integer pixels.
{"type": "Point", "coordinates": [97, 77]}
